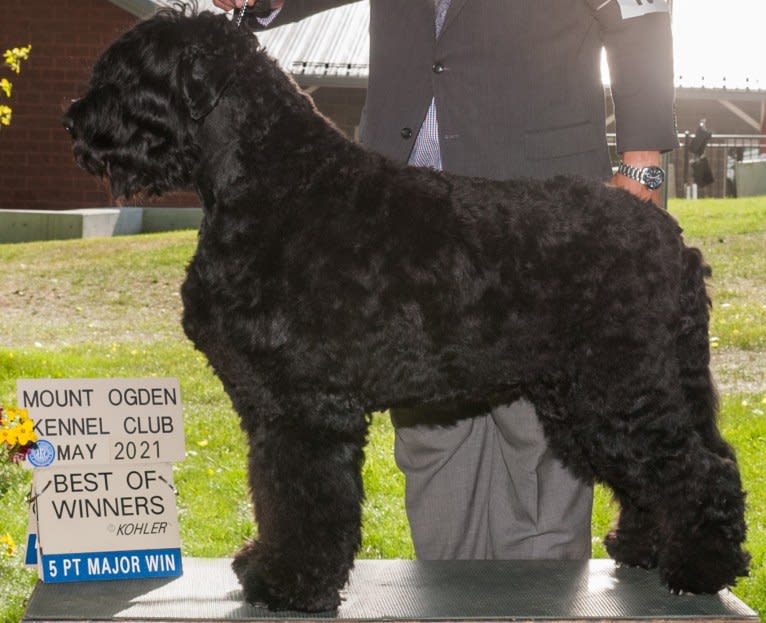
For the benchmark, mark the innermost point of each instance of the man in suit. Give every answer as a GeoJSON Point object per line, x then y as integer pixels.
{"type": "Point", "coordinates": [501, 89]}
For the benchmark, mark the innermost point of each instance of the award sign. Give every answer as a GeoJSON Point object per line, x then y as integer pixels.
{"type": "Point", "coordinates": [103, 496]}
{"type": "Point", "coordinates": [102, 421]}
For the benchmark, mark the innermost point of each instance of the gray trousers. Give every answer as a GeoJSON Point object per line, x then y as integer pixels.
{"type": "Point", "coordinates": [488, 487]}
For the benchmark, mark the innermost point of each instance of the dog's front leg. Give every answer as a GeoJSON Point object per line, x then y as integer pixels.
{"type": "Point", "coordinates": [307, 491]}
{"type": "Point", "coordinates": [633, 541]}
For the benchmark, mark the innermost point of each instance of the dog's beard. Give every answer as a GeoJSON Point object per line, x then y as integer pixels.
{"type": "Point", "coordinates": [121, 184]}
{"type": "Point", "coordinates": [126, 182]}
{"type": "Point", "coordinates": [90, 163]}
{"type": "Point", "coordinates": [136, 167]}
{"type": "Point", "coordinates": [135, 153]}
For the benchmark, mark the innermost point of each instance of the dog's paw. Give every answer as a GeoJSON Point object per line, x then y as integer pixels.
{"type": "Point", "coordinates": [304, 599]}
{"type": "Point", "coordinates": [631, 552]}
{"type": "Point", "coordinates": [704, 570]}
{"type": "Point", "coordinates": [279, 588]}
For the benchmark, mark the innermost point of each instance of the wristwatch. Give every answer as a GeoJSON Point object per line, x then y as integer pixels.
{"type": "Point", "coordinates": [651, 177]}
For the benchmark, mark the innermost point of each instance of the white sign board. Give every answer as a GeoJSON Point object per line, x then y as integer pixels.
{"type": "Point", "coordinates": [103, 421]}
{"type": "Point", "coordinates": [106, 522]}
{"type": "Point", "coordinates": [103, 496]}
{"type": "Point", "coordinates": [637, 8]}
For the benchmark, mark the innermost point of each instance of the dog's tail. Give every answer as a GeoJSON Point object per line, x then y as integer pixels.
{"type": "Point", "coordinates": [693, 348]}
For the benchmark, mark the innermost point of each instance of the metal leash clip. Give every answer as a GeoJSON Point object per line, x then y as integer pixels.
{"type": "Point", "coordinates": [242, 12]}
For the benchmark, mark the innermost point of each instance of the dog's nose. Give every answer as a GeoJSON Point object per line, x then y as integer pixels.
{"type": "Point", "coordinates": [68, 120]}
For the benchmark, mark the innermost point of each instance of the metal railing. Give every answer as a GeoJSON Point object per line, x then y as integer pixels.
{"type": "Point", "coordinates": [722, 152]}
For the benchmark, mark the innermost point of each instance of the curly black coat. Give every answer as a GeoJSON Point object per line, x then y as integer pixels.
{"type": "Point", "coordinates": [330, 282]}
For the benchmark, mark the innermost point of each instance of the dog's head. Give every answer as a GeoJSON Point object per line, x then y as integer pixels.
{"type": "Point", "coordinates": [148, 93]}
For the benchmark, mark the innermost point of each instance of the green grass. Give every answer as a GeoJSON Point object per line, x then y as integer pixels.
{"type": "Point", "coordinates": [110, 307]}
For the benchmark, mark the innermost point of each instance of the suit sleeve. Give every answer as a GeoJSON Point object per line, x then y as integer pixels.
{"type": "Point", "coordinates": [296, 10]}
{"type": "Point", "coordinates": [639, 48]}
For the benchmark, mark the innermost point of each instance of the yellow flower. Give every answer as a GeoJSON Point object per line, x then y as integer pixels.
{"type": "Point", "coordinates": [26, 433]}
{"type": "Point", "coordinates": [16, 413]}
{"type": "Point", "coordinates": [7, 545]}
{"type": "Point", "coordinates": [14, 57]}
{"type": "Point", "coordinates": [12, 436]}
{"type": "Point", "coordinates": [5, 87]}
{"type": "Point", "coordinates": [5, 114]}
{"type": "Point", "coordinates": [16, 427]}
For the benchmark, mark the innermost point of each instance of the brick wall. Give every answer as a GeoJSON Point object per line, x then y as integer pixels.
{"type": "Point", "coordinates": [36, 166]}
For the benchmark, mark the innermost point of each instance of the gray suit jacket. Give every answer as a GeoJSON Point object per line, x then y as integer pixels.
{"type": "Point", "coordinates": [517, 82]}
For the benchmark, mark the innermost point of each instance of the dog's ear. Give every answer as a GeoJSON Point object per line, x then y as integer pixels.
{"type": "Point", "coordinates": [203, 81]}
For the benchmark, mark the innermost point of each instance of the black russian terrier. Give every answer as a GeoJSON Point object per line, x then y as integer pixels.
{"type": "Point", "coordinates": [330, 282]}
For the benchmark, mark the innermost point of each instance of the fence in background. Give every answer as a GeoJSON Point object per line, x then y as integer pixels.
{"type": "Point", "coordinates": [722, 154]}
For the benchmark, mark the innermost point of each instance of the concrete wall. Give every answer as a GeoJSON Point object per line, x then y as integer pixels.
{"type": "Point", "coordinates": [30, 225]}
{"type": "Point", "coordinates": [751, 178]}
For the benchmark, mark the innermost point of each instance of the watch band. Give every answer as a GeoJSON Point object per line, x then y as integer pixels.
{"type": "Point", "coordinates": [652, 177]}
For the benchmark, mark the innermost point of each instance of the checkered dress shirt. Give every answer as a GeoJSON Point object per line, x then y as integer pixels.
{"type": "Point", "coordinates": [426, 152]}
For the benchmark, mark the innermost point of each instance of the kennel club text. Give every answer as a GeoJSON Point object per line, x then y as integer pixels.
{"type": "Point", "coordinates": [106, 420]}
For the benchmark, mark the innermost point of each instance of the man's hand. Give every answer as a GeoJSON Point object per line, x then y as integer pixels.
{"type": "Point", "coordinates": [228, 5]}
{"type": "Point", "coordinates": [639, 159]}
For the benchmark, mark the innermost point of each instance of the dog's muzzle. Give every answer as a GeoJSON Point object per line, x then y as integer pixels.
{"type": "Point", "coordinates": [68, 120]}
{"type": "Point", "coordinates": [83, 155]}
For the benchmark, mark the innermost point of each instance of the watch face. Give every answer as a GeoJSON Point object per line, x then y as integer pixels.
{"type": "Point", "coordinates": [653, 177]}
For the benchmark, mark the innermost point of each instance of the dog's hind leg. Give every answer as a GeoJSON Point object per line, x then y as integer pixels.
{"type": "Point", "coordinates": [704, 552]}
{"type": "Point", "coordinates": [694, 529]}
{"type": "Point", "coordinates": [680, 498]}
{"type": "Point", "coordinates": [307, 491]}
{"type": "Point", "coordinates": [702, 521]}
{"type": "Point", "coordinates": [597, 448]}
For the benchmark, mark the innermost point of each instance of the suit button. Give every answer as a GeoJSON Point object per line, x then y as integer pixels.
{"type": "Point", "coordinates": [437, 67]}
{"type": "Point", "coordinates": [406, 132]}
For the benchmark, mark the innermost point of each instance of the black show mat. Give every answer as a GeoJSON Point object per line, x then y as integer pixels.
{"type": "Point", "coordinates": [401, 590]}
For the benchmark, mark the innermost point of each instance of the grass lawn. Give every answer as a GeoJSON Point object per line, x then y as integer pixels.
{"type": "Point", "coordinates": [110, 308]}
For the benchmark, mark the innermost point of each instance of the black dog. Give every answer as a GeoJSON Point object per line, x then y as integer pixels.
{"type": "Point", "coordinates": [330, 282]}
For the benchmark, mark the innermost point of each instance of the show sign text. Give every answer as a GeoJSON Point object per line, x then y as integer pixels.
{"type": "Point", "coordinates": [102, 421]}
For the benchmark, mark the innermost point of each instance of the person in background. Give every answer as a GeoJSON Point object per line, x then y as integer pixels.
{"type": "Point", "coordinates": [502, 89]}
